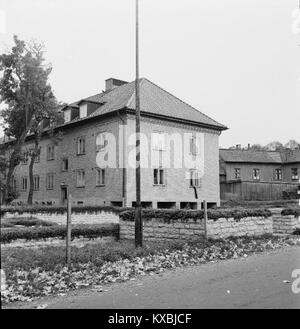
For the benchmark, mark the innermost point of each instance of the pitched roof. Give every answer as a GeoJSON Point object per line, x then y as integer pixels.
{"type": "Point", "coordinates": [154, 100]}
{"type": "Point", "coordinates": [251, 156]}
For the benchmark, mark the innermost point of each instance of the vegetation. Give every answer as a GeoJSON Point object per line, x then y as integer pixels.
{"type": "Point", "coordinates": [291, 211]}
{"type": "Point", "coordinates": [183, 215]}
{"type": "Point", "coordinates": [28, 101]}
{"type": "Point", "coordinates": [25, 221]}
{"type": "Point", "coordinates": [32, 273]}
{"type": "Point", "coordinates": [37, 233]}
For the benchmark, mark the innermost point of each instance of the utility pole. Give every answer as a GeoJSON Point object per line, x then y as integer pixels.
{"type": "Point", "coordinates": [138, 208]}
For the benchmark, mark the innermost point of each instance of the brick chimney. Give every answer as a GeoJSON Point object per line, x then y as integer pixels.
{"type": "Point", "coordinates": [112, 83]}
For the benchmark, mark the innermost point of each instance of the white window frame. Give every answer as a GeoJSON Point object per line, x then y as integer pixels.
{"type": "Point", "coordinates": [256, 174]}
{"type": "Point", "coordinates": [81, 145]}
{"type": "Point", "coordinates": [24, 182]}
{"type": "Point", "coordinates": [80, 181]}
{"type": "Point", "coordinates": [195, 179]}
{"type": "Point", "coordinates": [50, 152]}
{"type": "Point", "coordinates": [158, 141]}
{"type": "Point", "coordinates": [50, 181]}
{"type": "Point", "coordinates": [36, 182]}
{"type": "Point", "coordinates": [101, 141]}
{"type": "Point", "coordinates": [100, 176]}
{"type": "Point", "coordinates": [161, 176]}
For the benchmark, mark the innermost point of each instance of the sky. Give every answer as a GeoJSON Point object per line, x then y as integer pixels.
{"type": "Point", "coordinates": [235, 60]}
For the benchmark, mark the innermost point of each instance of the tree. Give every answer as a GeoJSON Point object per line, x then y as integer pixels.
{"type": "Point", "coordinates": [29, 99]}
{"type": "Point", "coordinates": [257, 147]}
{"type": "Point", "coordinates": [292, 144]}
{"type": "Point", "coordinates": [275, 146]}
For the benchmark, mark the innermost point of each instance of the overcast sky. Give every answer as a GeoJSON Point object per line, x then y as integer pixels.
{"type": "Point", "coordinates": [235, 60]}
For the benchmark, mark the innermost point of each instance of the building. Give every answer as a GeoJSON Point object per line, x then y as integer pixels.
{"type": "Point", "coordinates": [70, 161]}
{"type": "Point", "coordinates": [258, 175]}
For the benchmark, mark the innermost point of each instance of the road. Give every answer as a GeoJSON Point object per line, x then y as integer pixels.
{"type": "Point", "coordinates": [253, 282]}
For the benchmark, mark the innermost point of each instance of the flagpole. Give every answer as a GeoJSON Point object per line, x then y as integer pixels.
{"type": "Point", "coordinates": [138, 210]}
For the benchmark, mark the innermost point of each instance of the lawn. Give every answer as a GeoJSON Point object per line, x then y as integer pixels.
{"type": "Point", "coordinates": [32, 273]}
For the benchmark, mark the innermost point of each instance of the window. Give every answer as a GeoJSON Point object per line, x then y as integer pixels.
{"type": "Point", "coordinates": [158, 141]}
{"type": "Point", "coordinates": [256, 174]}
{"type": "Point", "coordinates": [83, 111]}
{"type": "Point", "coordinates": [65, 165]}
{"type": "Point", "coordinates": [195, 178]}
{"type": "Point", "coordinates": [49, 181]}
{"type": "Point", "coordinates": [14, 184]}
{"type": "Point", "coordinates": [278, 174]}
{"type": "Point", "coordinates": [24, 159]}
{"type": "Point", "coordinates": [100, 177]}
{"type": "Point", "coordinates": [24, 183]}
{"type": "Point", "coordinates": [67, 115]}
{"type": "Point", "coordinates": [295, 174]}
{"type": "Point", "coordinates": [80, 178]}
{"type": "Point", "coordinates": [101, 141]}
{"type": "Point", "coordinates": [37, 156]}
{"type": "Point", "coordinates": [50, 152]}
{"type": "Point", "coordinates": [237, 173]}
{"type": "Point", "coordinates": [194, 146]}
{"type": "Point", "coordinates": [158, 176]}
{"type": "Point", "coordinates": [80, 145]}
{"type": "Point", "coordinates": [36, 183]}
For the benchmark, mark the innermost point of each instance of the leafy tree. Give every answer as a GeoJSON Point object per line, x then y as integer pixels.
{"type": "Point", "coordinates": [29, 100]}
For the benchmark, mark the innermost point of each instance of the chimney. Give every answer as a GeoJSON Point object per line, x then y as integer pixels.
{"type": "Point", "coordinates": [238, 146]}
{"type": "Point", "coordinates": [113, 83]}
{"type": "Point", "coordinates": [249, 146]}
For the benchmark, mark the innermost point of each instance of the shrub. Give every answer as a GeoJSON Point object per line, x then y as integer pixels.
{"type": "Point", "coordinates": [57, 210]}
{"type": "Point", "coordinates": [87, 231]}
{"type": "Point", "coordinates": [25, 221]}
{"type": "Point", "coordinates": [297, 231]}
{"type": "Point", "coordinates": [168, 215]}
{"type": "Point", "coordinates": [291, 211]}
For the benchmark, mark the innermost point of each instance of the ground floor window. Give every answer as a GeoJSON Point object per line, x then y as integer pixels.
{"type": "Point", "coordinates": [256, 174]}
{"type": "Point", "coordinates": [195, 180]}
{"type": "Point", "coordinates": [295, 174]}
{"type": "Point", "coordinates": [100, 177]}
{"type": "Point", "coordinates": [24, 183]}
{"type": "Point", "coordinates": [49, 181]}
{"type": "Point", "coordinates": [80, 178]}
{"type": "Point", "coordinates": [36, 183]}
{"type": "Point", "coordinates": [158, 176]}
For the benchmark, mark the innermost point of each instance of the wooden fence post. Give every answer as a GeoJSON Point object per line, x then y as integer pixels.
{"type": "Point", "coordinates": [69, 231]}
{"type": "Point", "coordinates": [205, 219]}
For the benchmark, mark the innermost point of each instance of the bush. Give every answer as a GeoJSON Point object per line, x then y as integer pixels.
{"type": "Point", "coordinates": [87, 231]}
{"type": "Point", "coordinates": [25, 221]}
{"type": "Point", "coordinates": [297, 231]}
{"type": "Point", "coordinates": [58, 210]}
{"type": "Point", "coordinates": [291, 211]}
{"type": "Point", "coordinates": [167, 215]}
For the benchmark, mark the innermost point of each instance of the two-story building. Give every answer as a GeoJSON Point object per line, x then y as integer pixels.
{"type": "Point", "coordinates": [76, 159]}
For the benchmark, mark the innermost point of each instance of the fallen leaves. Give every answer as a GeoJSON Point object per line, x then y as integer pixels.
{"type": "Point", "coordinates": [26, 285]}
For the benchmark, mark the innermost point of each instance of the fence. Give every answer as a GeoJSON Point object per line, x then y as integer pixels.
{"type": "Point", "coordinates": [247, 190]}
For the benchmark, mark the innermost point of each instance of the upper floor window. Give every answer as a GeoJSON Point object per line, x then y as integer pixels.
{"type": "Point", "coordinates": [50, 152]}
{"type": "Point", "coordinates": [83, 111]}
{"type": "Point", "coordinates": [37, 158]}
{"type": "Point", "coordinates": [80, 178]}
{"type": "Point", "coordinates": [50, 181]}
{"type": "Point", "coordinates": [101, 141]}
{"type": "Point", "coordinates": [256, 174]}
{"type": "Point", "coordinates": [67, 115]}
{"type": "Point", "coordinates": [158, 176]}
{"type": "Point", "coordinates": [237, 173]}
{"type": "Point", "coordinates": [278, 174]}
{"type": "Point", "coordinates": [100, 177]}
{"type": "Point", "coordinates": [36, 183]}
{"type": "Point", "coordinates": [80, 145]}
{"type": "Point", "coordinates": [295, 174]}
{"type": "Point", "coordinates": [24, 183]}
{"type": "Point", "coordinates": [24, 158]}
{"type": "Point", "coordinates": [195, 179]}
{"type": "Point", "coordinates": [158, 141]}
{"type": "Point", "coordinates": [194, 145]}
{"type": "Point", "coordinates": [65, 164]}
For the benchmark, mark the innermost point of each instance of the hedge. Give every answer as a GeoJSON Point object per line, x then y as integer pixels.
{"type": "Point", "coordinates": [291, 211]}
{"type": "Point", "coordinates": [86, 231]}
{"type": "Point", "coordinates": [184, 215]}
{"type": "Point", "coordinates": [58, 210]}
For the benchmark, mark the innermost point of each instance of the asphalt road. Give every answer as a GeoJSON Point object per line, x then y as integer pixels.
{"type": "Point", "coordinates": [253, 282]}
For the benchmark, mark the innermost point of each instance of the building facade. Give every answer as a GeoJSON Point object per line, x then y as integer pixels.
{"type": "Point", "coordinates": [258, 175]}
{"type": "Point", "coordinates": [76, 159]}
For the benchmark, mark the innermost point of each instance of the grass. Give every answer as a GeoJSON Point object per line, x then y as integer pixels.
{"type": "Point", "coordinates": [259, 204]}
{"type": "Point", "coordinates": [48, 258]}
